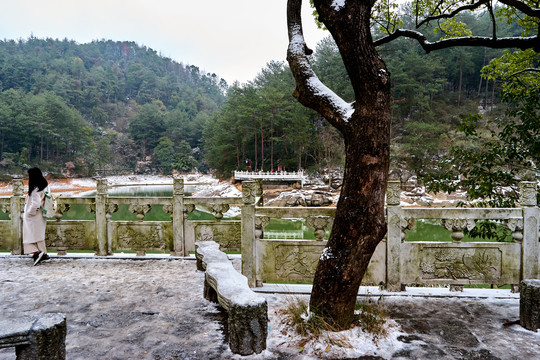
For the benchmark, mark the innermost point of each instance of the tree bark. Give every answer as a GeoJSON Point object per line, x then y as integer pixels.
{"type": "Point", "coordinates": [460, 81]}
{"type": "Point", "coordinates": [359, 224]}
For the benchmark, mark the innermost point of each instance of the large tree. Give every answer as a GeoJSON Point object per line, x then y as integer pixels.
{"type": "Point", "coordinates": [360, 224]}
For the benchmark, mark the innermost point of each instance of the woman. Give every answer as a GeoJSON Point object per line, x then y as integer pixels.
{"type": "Point", "coordinates": [33, 220]}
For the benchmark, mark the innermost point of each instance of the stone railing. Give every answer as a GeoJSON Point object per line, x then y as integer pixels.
{"type": "Point", "coordinates": [104, 236]}
{"type": "Point", "coordinates": [396, 262]}
{"type": "Point", "coordinates": [285, 176]}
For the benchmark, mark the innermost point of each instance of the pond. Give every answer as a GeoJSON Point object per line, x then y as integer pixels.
{"type": "Point", "coordinates": [79, 212]}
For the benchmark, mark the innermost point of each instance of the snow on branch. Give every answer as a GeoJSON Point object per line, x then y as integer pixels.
{"type": "Point", "coordinates": [499, 43]}
{"type": "Point", "coordinates": [524, 8]}
{"type": "Point", "coordinates": [310, 91]}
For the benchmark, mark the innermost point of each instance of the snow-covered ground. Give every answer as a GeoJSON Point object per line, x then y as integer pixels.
{"type": "Point", "coordinates": [207, 185]}
{"type": "Point", "coordinates": [154, 309]}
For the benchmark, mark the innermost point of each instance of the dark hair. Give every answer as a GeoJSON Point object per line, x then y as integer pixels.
{"type": "Point", "coordinates": [36, 180]}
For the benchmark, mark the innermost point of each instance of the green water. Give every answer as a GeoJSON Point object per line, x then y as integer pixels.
{"type": "Point", "coordinates": [80, 212]}
{"type": "Point", "coordinates": [431, 230]}
{"type": "Point", "coordinates": [289, 229]}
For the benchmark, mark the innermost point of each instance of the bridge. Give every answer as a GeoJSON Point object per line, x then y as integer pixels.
{"type": "Point", "coordinates": [282, 176]}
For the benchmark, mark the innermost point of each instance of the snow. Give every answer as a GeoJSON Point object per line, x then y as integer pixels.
{"type": "Point", "coordinates": [345, 109]}
{"type": "Point", "coordinates": [297, 47]}
{"type": "Point", "coordinates": [354, 342]}
{"type": "Point", "coordinates": [297, 42]}
{"type": "Point", "coordinates": [99, 310]}
{"type": "Point", "coordinates": [326, 254]}
{"type": "Point", "coordinates": [338, 4]}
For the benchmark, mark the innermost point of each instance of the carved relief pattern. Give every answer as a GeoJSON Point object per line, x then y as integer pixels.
{"type": "Point", "coordinates": [249, 191]}
{"type": "Point", "coordinates": [232, 239]}
{"type": "Point", "coordinates": [457, 226]}
{"type": "Point", "coordinates": [188, 208]}
{"type": "Point", "coordinates": [140, 209]}
{"type": "Point", "coordinates": [218, 210]}
{"type": "Point", "coordinates": [227, 235]}
{"type": "Point", "coordinates": [456, 263]}
{"type": "Point", "coordinates": [297, 262]}
{"type": "Point", "coordinates": [91, 208]}
{"type": "Point", "coordinates": [407, 224]}
{"type": "Point", "coordinates": [168, 208]}
{"type": "Point", "coordinates": [393, 193]}
{"type": "Point", "coordinates": [178, 186]}
{"type": "Point", "coordinates": [261, 222]}
{"type": "Point", "coordinates": [148, 237]}
{"type": "Point", "coordinates": [66, 236]}
{"type": "Point", "coordinates": [111, 208]}
{"type": "Point", "coordinates": [319, 223]}
{"type": "Point", "coordinates": [18, 187]}
{"type": "Point", "coordinates": [5, 207]}
{"type": "Point", "coordinates": [60, 210]}
{"type": "Point", "coordinates": [101, 186]}
{"type": "Point", "coordinates": [516, 226]}
{"type": "Point", "coordinates": [527, 193]}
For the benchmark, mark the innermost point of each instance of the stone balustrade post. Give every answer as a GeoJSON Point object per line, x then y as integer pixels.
{"type": "Point", "coordinates": [178, 218]}
{"type": "Point", "coordinates": [531, 221]}
{"type": "Point", "coordinates": [393, 242]}
{"type": "Point", "coordinates": [260, 193]}
{"type": "Point", "coordinates": [16, 210]}
{"type": "Point", "coordinates": [103, 246]}
{"type": "Point", "coordinates": [248, 242]}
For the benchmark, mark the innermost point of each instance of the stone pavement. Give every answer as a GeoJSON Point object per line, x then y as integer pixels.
{"type": "Point", "coordinates": [154, 309]}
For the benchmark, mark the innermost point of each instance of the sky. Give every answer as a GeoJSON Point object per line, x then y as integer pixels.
{"type": "Point", "coordinates": [232, 38]}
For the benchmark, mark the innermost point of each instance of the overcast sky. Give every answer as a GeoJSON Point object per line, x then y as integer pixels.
{"type": "Point", "coordinates": [232, 38]}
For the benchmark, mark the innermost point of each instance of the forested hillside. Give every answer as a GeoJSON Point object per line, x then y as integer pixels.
{"type": "Point", "coordinates": [78, 108]}
{"type": "Point", "coordinates": [101, 105]}
{"type": "Point", "coordinates": [431, 95]}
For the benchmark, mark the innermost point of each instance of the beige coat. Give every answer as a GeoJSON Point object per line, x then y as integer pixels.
{"type": "Point", "coordinates": [33, 221]}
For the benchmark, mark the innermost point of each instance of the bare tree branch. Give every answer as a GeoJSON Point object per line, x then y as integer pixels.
{"type": "Point", "coordinates": [310, 91]}
{"type": "Point", "coordinates": [499, 43]}
{"type": "Point", "coordinates": [472, 6]}
{"type": "Point", "coordinates": [523, 71]}
{"type": "Point", "coordinates": [493, 21]}
{"type": "Point", "coordinates": [521, 6]}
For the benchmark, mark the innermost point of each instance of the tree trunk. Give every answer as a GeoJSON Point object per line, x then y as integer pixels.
{"type": "Point", "coordinates": [272, 141]}
{"type": "Point", "coordinates": [256, 157]}
{"type": "Point", "coordinates": [460, 80]}
{"type": "Point", "coordinates": [493, 94]}
{"type": "Point", "coordinates": [237, 157]}
{"type": "Point", "coordinates": [359, 224]}
{"type": "Point", "coordinates": [262, 147]}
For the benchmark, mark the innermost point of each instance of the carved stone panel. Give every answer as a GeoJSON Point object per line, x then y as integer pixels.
{"type": "Point", "coordinates": [297, 263]}
{"type": "Point", "coordinates": [393, 193]}
{"type": "Point", "coordinates": [5, 235]}
{"type": "Point", "coordinates": [527, 193]}
{"type": "Point", "coordinates": [71, 236]}
{"type": "Point", "coordinates": [139, 236]}
{"type": "Point", "coordinates": [456, 263]}
{"type": "Point", "coordinates": [226, 234]}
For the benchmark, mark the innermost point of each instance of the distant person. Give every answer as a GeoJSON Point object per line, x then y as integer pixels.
{"type": "Point", "coordinates": [33, 220]}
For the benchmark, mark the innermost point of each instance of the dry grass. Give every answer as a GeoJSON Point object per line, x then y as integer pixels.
{"type": "Point", "coordinates": [370, 318]}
